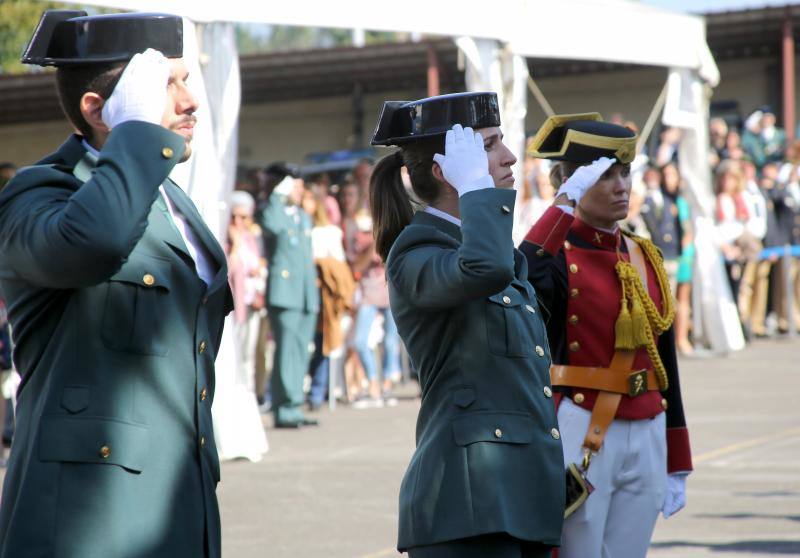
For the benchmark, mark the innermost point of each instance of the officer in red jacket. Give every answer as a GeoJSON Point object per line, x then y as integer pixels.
{"type": "Point", "coordinates": [626, 446]}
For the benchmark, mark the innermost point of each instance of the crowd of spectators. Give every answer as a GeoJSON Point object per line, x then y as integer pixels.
{"type": "Point", "coordinates": [355, 335]}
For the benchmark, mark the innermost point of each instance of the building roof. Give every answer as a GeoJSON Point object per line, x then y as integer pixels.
{"type": "Point", "coordinates": [318, 73]}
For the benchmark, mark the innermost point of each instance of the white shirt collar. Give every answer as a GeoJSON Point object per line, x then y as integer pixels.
{"type": "Point", "coordinates": [90, 149]}
{"type": "Point", "coordinates": [441, 214]}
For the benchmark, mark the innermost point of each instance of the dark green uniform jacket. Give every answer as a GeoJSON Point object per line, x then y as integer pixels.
{"type": "Point", "coordinates": [292, 281]}
{"type": "Point", "coordinates": [114, 453]}
{"type": "Point", "coordinates": [488, 457]}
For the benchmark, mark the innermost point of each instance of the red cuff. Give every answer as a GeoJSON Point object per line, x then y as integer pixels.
{"type": "Point", "coordinates": [679, 454]}
{"type": "Point", "coordinates": [550, 231]}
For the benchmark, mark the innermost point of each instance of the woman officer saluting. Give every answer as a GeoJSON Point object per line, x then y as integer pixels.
{"type": "Point", "coordinates": [486, 479]}
{"type": "Point", "coordinates": [610, 330]}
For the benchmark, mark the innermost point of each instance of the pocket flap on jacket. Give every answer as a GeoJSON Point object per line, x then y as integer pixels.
{"type": "Point", "coordinates": [509, 428]}
{"type": "Point", "coordinates": [509, 298]}
{"type": "Point", "coordinates": [93, 440]}
{"type": "Point", "coordinates": [145, 271]}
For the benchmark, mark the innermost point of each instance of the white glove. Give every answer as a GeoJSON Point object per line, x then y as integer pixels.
{"type": "Point", "coordinates": [464, 163]}
{"type": "Point", "coordinates": [141, 93]}
{"type": "Point", "coordinates": [584, 178]}
{"type": "Point", "coordinates": [675, 498]}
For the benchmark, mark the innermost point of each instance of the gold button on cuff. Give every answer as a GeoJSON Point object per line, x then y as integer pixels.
{"type": "Point", "coordinates": [498, 433]}
{"type": "Point", "coordinates": [573, 268]}
{"type": "Point", "coordinates": [574, 346]}
{"type": "Point", "coordinates": [506, 300]}
{"type": "Point", "coordinates": [555, 434]}
{"type": "Point", "coordinates": [202, 441]}
{"type": "Point", "coordinates": [203, 394]}
{"type": "Point", "coordinates": [105, 452]}
{"type": "Point", "coordinates": [202, 347]}
{"type": "Point", "coordinates": [664, 404]}
{"type": "Point", "coordinates": [579, 398]}
{"type": "Point", "coordinates": [567, 245]}
{"type": "Point", "coordinates": [506, 209]}
{"type": "Point", "coordinates": [574, 293]}
{"type": "Point", "coordinates": [540, 252]}
{"type": "Point", "coordinates": [548, 392]}
{"type": "Point", "coordinates": [167, 153]}
{"type": "Point", "coordinates": [285, 273]}
{"type": "Point", "coordinates": [573, 319]}
{"type": "Point", "coordinates": [530, 309]}
{"type": "Point", "coordinates": [148, 280]}
{"type": "Point", "coordinates": [539, 351]}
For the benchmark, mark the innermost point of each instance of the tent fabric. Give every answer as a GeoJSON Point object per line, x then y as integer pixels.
{"type": "Point", "coordinates": [621, 31]}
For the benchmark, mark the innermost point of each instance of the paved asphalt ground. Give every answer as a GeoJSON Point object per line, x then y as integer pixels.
{"type": "Point", "coordinates": [332, 491]}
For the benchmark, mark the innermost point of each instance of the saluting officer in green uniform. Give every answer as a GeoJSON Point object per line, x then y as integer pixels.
{"type": "Point", "coordinates": [292, 299]}
{"type": "Point", "coordinates": [486, 479]}
{"type": "Point", "coordinates": [116, 292]}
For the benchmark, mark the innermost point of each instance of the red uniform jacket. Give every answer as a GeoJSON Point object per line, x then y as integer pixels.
{"type": "Point", "coordinates": [571, 265]}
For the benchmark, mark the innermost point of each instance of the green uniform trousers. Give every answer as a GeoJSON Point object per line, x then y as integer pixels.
{"type": "Point", "coordinates": [497, 545]}
{"type": "Point", "coordinates": [294, 332]}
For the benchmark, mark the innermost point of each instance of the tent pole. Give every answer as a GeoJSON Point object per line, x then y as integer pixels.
{"type": "Point", "coordinates": [539, 96]}
{"type": "Point", "coordinates": [651, 120]}
{"type": "Point", "coordinates": [788, 74]}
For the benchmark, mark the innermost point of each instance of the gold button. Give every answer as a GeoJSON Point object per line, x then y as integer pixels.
{"type": "Point", "coordinates": [540, 252]}
{"type": "Point", "coordinates": [667, 237]}
{"type": "Point", "coordinates": [574, 346]}
{"type": "Point", "coordinates": [203, 394]}
{"type": "Point", "coordinates": [202, 347]}
{"type": "Point", "coordinates": [567, 245]}
{"type": "Point", "coordinates": [539, 351]}
{"type": "Point", "coordinates": [664, 404]}
{"type": "Point", "coordinates": [573, 268]}
{"type": "Point", "coordinates": [573, 319]}
{"type": "Point", "coordinates": [167, 153]}
{"type": "Point", "coordinates": [148, 280]}
{"type": "Point", "coordinates": [285, 273]}
{"type": "Point", "coordinates": [506, 300]}
{"type": "Point", "coordinates": [498, 433]}
{"type": "Point", "coordinates": [574, 293]}
{"type": "Point", "coordinates": [105, 452]}
{"type": "Point", "coordinates": [202, 441]}
{"type": "Point", "coordinates": [597, 430]}
{"type": "Point", "coordinates": [506, 209]}
{"type": "Point", "coordinates": [555, 434]}
{"type": "Point", "coordinates": [548, 392]}
{"type": "Point", "coordinates": [205, 300]}
{"type": "Point", "coordinates": [579, 398]}
{"type": "Point", "coordinates": [530, 309]}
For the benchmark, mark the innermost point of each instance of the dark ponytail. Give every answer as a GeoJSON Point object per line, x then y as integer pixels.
{"type": "Point", "coordinates": [389, 201]}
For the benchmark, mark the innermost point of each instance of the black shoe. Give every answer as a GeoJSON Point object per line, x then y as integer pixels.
{"type": "Point", "coordinates": [309, 422]}
{"type": "Point", "coordinates": [290, 424]}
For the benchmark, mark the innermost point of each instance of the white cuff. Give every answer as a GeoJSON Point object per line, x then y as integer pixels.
{"type": "Point", "coordinates": [568, 209]}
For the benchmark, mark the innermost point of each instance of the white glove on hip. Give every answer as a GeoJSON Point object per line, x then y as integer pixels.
{"type": "Point", "coordinates": [141, 93]}
{"type": "Point", "coordinates": [584, 178]}
{"type": "Point", "coordinates": [464, 163]}
{"type": "Point", "coordinates": [675, 498]}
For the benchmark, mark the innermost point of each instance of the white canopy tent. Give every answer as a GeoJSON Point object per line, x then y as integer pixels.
{"type": "Point", "coordinates": [494, 38]}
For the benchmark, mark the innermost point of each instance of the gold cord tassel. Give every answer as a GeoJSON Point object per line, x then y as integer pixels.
{"type": "Point", "coordinates": [638, 326]}
{"type": "Point", "coordinates": [623, 329]}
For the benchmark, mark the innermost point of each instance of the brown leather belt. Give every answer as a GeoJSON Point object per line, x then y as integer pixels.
{"type": "Point", "coordinates": [627, 382]}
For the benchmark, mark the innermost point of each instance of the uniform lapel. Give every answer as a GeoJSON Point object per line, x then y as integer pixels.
{"type": "Point", "coordinates": [164, 227]}
{"type": "Point", "coordinates": [188, 210]}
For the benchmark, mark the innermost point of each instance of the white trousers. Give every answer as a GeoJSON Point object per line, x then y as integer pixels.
{"type": "Point", "coordinates": [629, 475]}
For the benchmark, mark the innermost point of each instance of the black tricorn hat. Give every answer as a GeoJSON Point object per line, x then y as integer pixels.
{"type": "Point", "coordinates": [71, 37]}
{"type": "Point", "coordinates": [582, 138]}
{"type": "Point", "coordinates": [404, 121]}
